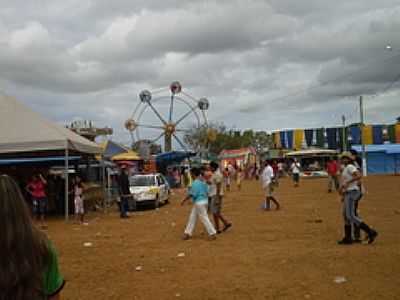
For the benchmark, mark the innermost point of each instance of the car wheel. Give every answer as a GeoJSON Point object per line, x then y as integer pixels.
{"type": "Point", "coordinates": [157, 202]}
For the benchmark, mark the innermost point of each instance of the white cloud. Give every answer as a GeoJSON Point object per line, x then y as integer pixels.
{"type": "Point", "coordinates": [262, 64]}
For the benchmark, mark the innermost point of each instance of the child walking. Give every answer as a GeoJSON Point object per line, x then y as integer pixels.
{"type": "Point", "coordinates": [78, 201]}
{"type": "Point", "coordinates": [198, 192]}
{"type": "Point", "coordinates": [227, 179]}
{"type": "Point", "coordinates": [239, 178]}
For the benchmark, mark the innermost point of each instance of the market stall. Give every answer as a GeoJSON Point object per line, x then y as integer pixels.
{"type": "Point", "coordinates": [24, 134]}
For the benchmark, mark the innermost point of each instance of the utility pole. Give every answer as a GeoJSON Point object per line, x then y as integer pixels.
{"type": "Point", "coordinates": [363, 154]}
{"type": "Point", "coordinates": [344, 138]}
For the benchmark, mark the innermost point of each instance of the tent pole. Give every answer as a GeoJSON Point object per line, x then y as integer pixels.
{"type": "Point", "coordinates": [66, 181]}
{"type": "Point", "coordinates": [103, 168]}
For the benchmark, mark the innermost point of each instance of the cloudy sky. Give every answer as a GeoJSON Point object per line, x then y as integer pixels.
{"type": "Point", "coordinates": [262, 64]}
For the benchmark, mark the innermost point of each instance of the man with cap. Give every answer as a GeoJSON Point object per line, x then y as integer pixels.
{"type": "Point", "coordinates": [350, 192]}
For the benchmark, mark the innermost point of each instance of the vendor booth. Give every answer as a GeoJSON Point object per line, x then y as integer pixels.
{"type": "Point", "coordinates": [313, 161]}
{"type": "Point", "coordinates": [29, 140]}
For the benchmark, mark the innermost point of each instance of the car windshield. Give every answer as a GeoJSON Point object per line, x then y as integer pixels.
{"type": "Point", "coordinates": [142, 181]}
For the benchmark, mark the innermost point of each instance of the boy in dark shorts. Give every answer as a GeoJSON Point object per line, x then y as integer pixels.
{"type": "Point", "coordinates": [216, 193]}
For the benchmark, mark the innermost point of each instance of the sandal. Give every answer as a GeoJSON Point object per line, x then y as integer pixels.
{"type": "Point", "coordinates": [226, 227]}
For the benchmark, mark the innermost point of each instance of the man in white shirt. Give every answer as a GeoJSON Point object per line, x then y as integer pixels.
{"type": "Point", "coordinates": [350, 191]}
{"type": "Point", "coordinates": [267, 183]}
{"type": "Point", "coordinates": [216, 193]}
{"type": "Point", "coordinates": [295, 170]}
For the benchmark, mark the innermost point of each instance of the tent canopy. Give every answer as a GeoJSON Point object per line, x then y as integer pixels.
{"type": "Point", "coordinates": [37, 160]}
{"type": "Point", "coordinates": [129, 155]}
{"type": "Point", "coordinates": [23, 130]}
{"type": "Point", "coordinates": [110, 149]}
{"type": "Point", "coordinates": [312, 152]}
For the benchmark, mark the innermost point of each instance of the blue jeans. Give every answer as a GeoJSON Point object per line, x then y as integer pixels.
{"type": "Point", "coordinates": [123, 206]}
{"type": "Point", "coordinates": [349, 208]}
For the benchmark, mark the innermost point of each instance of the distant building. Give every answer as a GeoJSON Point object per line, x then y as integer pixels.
{"type": "Point", "coordinates": [86, 129]}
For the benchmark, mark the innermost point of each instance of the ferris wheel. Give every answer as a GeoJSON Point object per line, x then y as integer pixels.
{"type": "Point", "coordinates": [170, 108]}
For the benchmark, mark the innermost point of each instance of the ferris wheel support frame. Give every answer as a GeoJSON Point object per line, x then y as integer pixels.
{"type": "Point", "coordinates": [170, 128]}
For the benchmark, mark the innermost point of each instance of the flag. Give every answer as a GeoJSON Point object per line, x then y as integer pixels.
{"type": "Point", "coordinates": [320, 138]}
{"type": "Point", "coordinates": [289, 135]}
{"type": "Point", "coordinates": [309, 136]}
{"type": "Point", "coordinates": [392, 133]}
{"type": "Point", "coordinates": [398, 133]}
{"type": "Point", "coordinates": [331, 136]}
{"type": "Point", "coordinates": [277, 140]}
{"type": "Point", "coordinates": [367, 135]}
{"type": "Point", "coordinates": [283, 139]}
{"type": "Point", "coordinates": [377, 134]}
{"type": "Point", "coordinates": [355, 134]}
{"type": "Point", "coordinates": [298, 138]}
{"type": "Point", "coordinates": [343, 138]}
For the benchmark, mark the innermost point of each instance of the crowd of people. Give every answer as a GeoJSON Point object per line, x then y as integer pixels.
{"type": "Point", "coordinates": [344, 175]}
{"type": "Point", "coordinates": [34, 274]}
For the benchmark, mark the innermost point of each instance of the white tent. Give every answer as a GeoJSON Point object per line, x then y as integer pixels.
{"type": "Point", "coordinates": [23, 130]}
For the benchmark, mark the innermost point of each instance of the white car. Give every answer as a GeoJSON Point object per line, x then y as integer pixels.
{"type": "Point", "coordinates": [149, 188]}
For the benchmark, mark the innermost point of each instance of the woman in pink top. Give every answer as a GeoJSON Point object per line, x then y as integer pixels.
{"type": "Point", "coordinates": [37, 189]}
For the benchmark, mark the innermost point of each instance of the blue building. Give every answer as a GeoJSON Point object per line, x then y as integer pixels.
{"type": "Point", "coordinates": [382, 159]}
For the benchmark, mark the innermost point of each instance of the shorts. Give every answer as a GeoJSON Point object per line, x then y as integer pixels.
{"type": "Point", "coordinates": [296, 177]}
{"type": "Point", "coordinates": [227, 181]}
{"type": "Point", "coordinates": [39, 205]}
{"type": "Point", "coordinates": [216, 204]}
{"type": "Point", "coordinates": [269, 190]}
{"type": "Point", "coordinates": [79, 208]}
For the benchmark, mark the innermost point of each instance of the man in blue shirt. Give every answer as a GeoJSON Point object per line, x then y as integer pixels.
{"type": "Point", "coordinates": [198, 192]}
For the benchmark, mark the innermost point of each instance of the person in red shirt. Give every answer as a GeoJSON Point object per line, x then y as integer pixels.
{"type": "Point", "coordinates": [37, 189]}
{"type": "Point", "coordinates": [332, 167]}
{"type": "Point", "coordinates": [274, 166]}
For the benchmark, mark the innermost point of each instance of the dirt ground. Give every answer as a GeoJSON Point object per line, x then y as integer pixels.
{"type": "Point", "coordinates": [286, 254]}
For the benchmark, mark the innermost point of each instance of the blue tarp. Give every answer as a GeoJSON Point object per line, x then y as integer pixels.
{"type": "Point", "coordinates": [36, 160]}
{"type": "Point", "coordinates": [173, 157]}
{"type": "Point", "coordinates": [382, 159]}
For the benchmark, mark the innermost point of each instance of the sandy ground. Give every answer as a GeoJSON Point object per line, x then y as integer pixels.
{"type": "Point", "coordinates": [288, 254]}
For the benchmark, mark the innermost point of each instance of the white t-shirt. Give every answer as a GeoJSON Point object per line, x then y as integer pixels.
{"type": "Point", "coordinates": [347, 176]}
{"type": "Point", "coordinates": [295, 167]}
{"type": "Point", "coordinates": [216, 178]}
{"type": "Point", "coordinates": [280, 166]}
{"type": "Point", "coordinates": [267, 175]}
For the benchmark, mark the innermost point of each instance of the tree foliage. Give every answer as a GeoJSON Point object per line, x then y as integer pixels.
{"type": "Point", "coordinates": [226, 139]}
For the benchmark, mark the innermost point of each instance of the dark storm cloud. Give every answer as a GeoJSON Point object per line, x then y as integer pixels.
{"type": "Point", "coordinates": [271, 64]}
